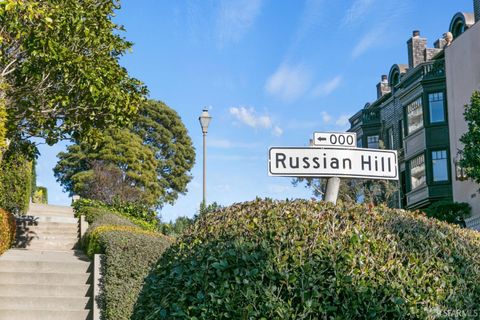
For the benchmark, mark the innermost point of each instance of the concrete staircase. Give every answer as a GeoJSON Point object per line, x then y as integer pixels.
{"type": "Point", "coordinates": [44, 277]}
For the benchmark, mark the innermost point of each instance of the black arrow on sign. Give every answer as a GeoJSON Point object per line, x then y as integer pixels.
{"type": "Point", "coordinates": [322, 139]}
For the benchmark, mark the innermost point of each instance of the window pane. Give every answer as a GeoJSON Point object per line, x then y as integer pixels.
{"type": "Point", "coordinates": [359, 142]}
{"type": "Point", "coordinates": [415, 115]}
{"type": "Point", "coordinates": [435, 101]}
{"type": "Point", "coordinates": [439, 164]}
{"type": "Point", "coordinates": [372, 142]}
{"type": "Point", "coordinates": [417, 171]}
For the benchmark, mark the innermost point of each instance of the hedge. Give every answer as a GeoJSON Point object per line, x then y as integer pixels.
{"type": "Point", "coordinates": [308, 260]}
{"type": "Point", "coordinates": [7, 230]}
{"type": "Point", "coordinates": [90, 208]}
{"type": "Point", "coordinates": [15, 183]}
{"type": "Point", "coordinates": [129, 253]}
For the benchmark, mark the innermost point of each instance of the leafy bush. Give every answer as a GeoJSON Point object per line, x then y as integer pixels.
{"type": "Point", "coordinates": [40, 195]}
{"type": "Point", "coordinates": [15, 182]}
{"type": "Point", "coordinates": [90, 208]}
{"type": "Point", "coordinates": [129, 257]}
{"type": "Point", "coordinates": [7, 230]}
{"type": "Point", "coordinates": [130, 252]}
{"type": "Point", "coordinates": [452, 212]}
{"type": "Point", "coordinates": [312, 260]}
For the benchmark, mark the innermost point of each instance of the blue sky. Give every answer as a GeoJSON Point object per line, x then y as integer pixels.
{"type": "Point", "coordinates": [271, 72]}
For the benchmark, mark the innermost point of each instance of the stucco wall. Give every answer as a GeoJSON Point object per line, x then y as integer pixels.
{"type": "Point", "coordinates": [462, 59]}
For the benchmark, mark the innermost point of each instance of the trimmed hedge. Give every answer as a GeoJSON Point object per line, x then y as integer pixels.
{"type": "Point", "coordinates": [8, 228]}
{"type": "Point", "coordinates": [312, 260]}
{"type": "Point", "coordinates": [129, 253]}
{"type": "Point", "coordinates": [15, 183]}
{"type": "Point", "coordinates": [91, 208]}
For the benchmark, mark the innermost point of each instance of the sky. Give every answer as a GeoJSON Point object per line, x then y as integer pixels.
{"type": "Point", "coordinates": [271, 72]}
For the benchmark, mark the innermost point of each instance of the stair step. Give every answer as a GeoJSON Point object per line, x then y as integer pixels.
{"type": "Point", "coordinates": [60, 256]}
{"type": "Point", "coordinates": [68, 279]}
{"type": "Point", "coordinates": [48, 207]}
{"type": "Point", "coordinates": [34, 314]}
{"type": "Point", "coordinates": [66, 220]}
{"type": "Point", "coordinates": [43, 266]}
{"type": "Point", "coordinates": [45, 303]}
{"type": "Point", "coordinates": [44, 290]}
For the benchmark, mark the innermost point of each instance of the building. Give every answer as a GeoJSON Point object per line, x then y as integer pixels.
{"type": "Point", "coordinates": [413, 114]}
{"type": "Point", "coordinates": [462, 59]}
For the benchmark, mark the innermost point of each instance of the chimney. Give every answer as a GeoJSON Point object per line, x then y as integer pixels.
{"type": "Point", "coordinates": [416, 49]}
{"type": "Point", "coordinates": [440, 43]}
{"type": "Point", "coordinates": [382, 87]}
{"type": "Point", "coordinates": [476, 8]}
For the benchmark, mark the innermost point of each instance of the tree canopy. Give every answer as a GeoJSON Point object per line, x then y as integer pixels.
{"type": "Point", "coordinates": [154, 158]}
{"type": "Point", "coordinates": [163, 131]}
{"type": "Point", "coordinates": [60, 75]}
{"type": "Point", "coordinates": [78, 169]}
{"type": "Point", "coordinates": [471, 139]}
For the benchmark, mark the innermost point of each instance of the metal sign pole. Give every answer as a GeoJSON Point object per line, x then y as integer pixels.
{"type": "Point", "coordinates": [333, 186]}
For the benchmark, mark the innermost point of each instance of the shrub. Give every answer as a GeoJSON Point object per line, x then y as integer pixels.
{"type": "Point", "coordinates": [40, 195]}
{"type": "Point", "coordinates": [129, 252]}
{"type": "Point", "coordinates": [7, 230]}
{"type": "Point", "coordinates": [452, 212]}
{"type": "Point", "coordinates": [15, 182]}
{"type": "Point", "coordinates": [139, 217]}
{"type": "Point", "coordinates": [129, 257]}
{"type": "Point", "coordinates": [311, 260]}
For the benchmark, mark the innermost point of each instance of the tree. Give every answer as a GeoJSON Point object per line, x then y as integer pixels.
{"type": "Point", "coordinates": [162, 130]}
{"type": "Point", "coordinates": [471, 139]}
{"type": "Point", "coordinates": [155, 156]}
{"type": "Point", "coordinates": [354, 190]}
{"type": "Point", "coordinates": [59, 69]}
{"type": "Point", "coordinates": [119, 149]}
{"type": "Point", "coordinates": [107, 183]}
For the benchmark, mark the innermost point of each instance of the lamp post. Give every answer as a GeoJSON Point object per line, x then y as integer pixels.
{"type": "Point", "coordinates": [204, 119]}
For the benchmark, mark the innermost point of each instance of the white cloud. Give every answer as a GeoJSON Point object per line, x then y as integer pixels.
{"type": "Point", "coordinates": [342, 121]}
{"type": "Point", "coordinates": [235, 18]}
{"type": "Point", "coordinates": [288, 82]}
{"type": "Point", "coordinates": [326, 118]}
{"type": "Point", "coordinates": [357, 11]}
{"type": "Point", "coordinates": [324, 89]}
{"type": "Point", "coordinates": [277, 131]}
{"type": "Point", "coordinates": [367, 41]}
{"type": "Point", "coordinates": [248, 117]}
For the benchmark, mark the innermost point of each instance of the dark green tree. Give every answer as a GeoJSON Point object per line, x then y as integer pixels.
{"type": "Point", "coordinates": [155, 155]}
{"type": "Point", "coordinates": [60, 75]}
{"type": "Point", "coordinates": [471, 139]}
{"type": "Point", "coordinates": [120, 149]}
{"type": "Point", "coordinates": [163, 131]}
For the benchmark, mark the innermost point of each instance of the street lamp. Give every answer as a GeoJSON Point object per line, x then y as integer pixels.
{"type": "Point", "coordinates": [204, 122]}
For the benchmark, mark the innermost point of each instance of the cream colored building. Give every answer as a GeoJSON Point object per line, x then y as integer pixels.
{"type": "Point", "coordinates": [462, 64]}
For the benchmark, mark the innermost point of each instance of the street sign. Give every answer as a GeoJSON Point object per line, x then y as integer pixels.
{"type": "Point", "coordinates": [335, 139]}
{"type": "Point", "coordinates": [333, 162]}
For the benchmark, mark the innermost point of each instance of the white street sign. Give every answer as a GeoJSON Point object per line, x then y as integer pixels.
{"type": "Point", "coordinates": [333, 162]}
{"type": "Point", "coordinates": [335, 139]}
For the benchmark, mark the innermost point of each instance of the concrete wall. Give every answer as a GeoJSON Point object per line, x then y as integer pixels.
{"type": "Point", "coordinates": [462, 59]}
